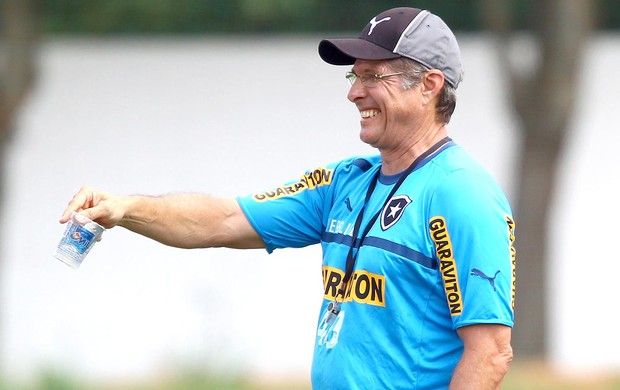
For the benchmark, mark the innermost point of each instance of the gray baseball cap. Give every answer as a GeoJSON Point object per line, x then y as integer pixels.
{"type": "Point", "coordinates": [401, 32]}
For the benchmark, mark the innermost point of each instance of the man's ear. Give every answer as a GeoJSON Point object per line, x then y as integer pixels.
{"type": "Point", "coordinates": [432, 83]}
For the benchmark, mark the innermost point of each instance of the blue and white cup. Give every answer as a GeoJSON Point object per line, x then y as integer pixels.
{"type": "Point", "coordinates": [80, 236]}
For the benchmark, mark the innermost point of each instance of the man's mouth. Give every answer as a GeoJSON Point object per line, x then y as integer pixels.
{"type": "Point", "coordinates": [369, 113]}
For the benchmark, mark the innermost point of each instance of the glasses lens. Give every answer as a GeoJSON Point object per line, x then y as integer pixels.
{"type": "Point", "coordinates": [351, 77]}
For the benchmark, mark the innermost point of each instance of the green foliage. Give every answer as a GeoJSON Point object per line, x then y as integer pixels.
{"type": "Point", "coordinates": [138, 16]}
{"type": "Point", "coordinates": [264, 16]}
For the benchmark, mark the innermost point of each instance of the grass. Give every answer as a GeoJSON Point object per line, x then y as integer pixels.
{"type": "Point", "coordinates": [522, 376]}
{"type": "Point", "coordinates": [186, 380]}
{"type": "Point", "coordinates": [535, 375]}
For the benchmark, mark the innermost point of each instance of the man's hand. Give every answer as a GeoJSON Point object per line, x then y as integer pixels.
{"type": "Point", "coordinates": [104, 208]}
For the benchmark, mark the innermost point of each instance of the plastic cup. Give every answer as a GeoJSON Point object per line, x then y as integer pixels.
{"type": "Point", "coordinates": [80, 236]}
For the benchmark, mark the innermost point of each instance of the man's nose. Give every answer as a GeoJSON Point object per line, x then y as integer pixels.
{"type": "Point", "coordinates": [356, 91]}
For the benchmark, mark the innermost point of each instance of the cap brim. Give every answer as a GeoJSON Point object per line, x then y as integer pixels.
{"type": "Point", "coordinates": [346, 51]}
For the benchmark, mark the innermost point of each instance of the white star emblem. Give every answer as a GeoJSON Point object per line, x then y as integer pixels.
{"type": "Point", "coordinates": [394, 210]}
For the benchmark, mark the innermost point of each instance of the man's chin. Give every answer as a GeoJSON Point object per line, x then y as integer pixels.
{"type": "Point", "coordinates": [368, 139]}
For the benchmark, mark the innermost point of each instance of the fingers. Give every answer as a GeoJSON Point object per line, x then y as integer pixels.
{"type": "Point", "coordinates": [79, 202]}
{"type": "Point", "coordinates": [83, 202]}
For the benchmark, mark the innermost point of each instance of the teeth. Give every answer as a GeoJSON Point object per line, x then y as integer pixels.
{"type": "Point", "coordinates": [369, 113]}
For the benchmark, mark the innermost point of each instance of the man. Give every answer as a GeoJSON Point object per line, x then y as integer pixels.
{"type": "Point", "coordinates": [418, 256]}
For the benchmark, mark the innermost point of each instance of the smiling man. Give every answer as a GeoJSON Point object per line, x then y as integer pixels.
{"type": "Point", "coordinates": [418, 255]}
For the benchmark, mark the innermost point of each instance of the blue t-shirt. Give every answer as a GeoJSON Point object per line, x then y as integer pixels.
{"type": "Point", "coordinates": [439, 256]}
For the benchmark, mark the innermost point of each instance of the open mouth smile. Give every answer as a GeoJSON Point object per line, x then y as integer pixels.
{"type": "Point", "coordinates": [369, 113]}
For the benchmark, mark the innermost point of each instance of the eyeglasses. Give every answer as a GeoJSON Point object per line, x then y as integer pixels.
{"type": "Point", "coordinates": [368, 79]}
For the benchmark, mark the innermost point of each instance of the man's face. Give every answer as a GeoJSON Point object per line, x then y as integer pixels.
{"type": "Point", "coordinates": [389, 114]}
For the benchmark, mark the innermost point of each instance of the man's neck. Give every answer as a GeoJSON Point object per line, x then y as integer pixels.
{"type": "Point", "coordinates": [397, 160]}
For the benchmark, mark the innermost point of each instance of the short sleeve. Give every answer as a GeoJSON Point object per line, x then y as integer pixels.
{"type": "Point", "coordinates": [472, 228]}
{"type": "Point", "coordinates": [290, 215]}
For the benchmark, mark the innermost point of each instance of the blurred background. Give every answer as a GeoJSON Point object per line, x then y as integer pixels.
{"type": "Point", "coordinates": [230, 98]}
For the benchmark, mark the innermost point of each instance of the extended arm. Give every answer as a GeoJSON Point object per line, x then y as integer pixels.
{"type": "Point", "coordinates": [181, 220]}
